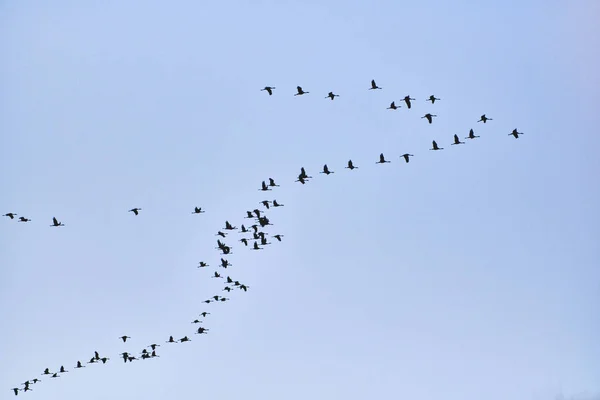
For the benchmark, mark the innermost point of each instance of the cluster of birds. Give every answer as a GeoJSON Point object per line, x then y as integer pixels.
{"type": "Point", "coordinates": [253, 237]}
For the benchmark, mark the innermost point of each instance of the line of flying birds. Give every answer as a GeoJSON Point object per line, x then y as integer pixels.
{"type": "Point", "coordinates": [258, 236]}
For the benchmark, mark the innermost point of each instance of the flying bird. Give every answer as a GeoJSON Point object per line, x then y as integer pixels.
{"type": "Point", "coordinates": [264, 187]}
{"type": "Point", "coordinates": [197, 210]}
{"type": "Point", "coordinates": [350, 165]}
{"type": "Point", "coordinates": [429, 117]}
{"type": "Point", "coordinates": [124, 338]}
{"type": "Point", "coordinates": [326, 170]}
{"type": "Point", "coordinates": [56, 223]}
{"type": "Point", "coordinates": [432, 99]}
{"type": "Point", "coordinates": [393, 106]}
{"type": "Point", "coordinates": [269, 89]}
{"type": "Point", "coordinates": [332, 96]}
{"type": "Point", "coordinates": [300, 91]}
{"type": "Point", "coordinates": [23, 219]}
{"type": "Point", "coordinates": [515, 133]}
{"type": "Point", "coordinates": [435, 146]}
{"type": "Point", "coordinates": [135, 210]}
{"type": "Point", "coordinates": [373, 85]}
{"type": "Point", "coordinates": [407, 100]}
{"type": "Point", "coordinates": [382, 159]}
{"type": "Point", "coordinates": [484, 119]}
{"type": "Point", "coordinates": [471, 135]}
{"type": "Point", "coordinates": [10, 215]}
{"type": "Point", "coordinates": [457, 141]}
{"type": "Point", "coordinates": [406, 156]}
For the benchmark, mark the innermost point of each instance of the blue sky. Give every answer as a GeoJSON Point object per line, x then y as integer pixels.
{"type": "Point", "coordinates": [468, 272]}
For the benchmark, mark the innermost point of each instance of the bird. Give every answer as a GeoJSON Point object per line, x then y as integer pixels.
{"type": "Point", "coordinates": [23, 219]}
{"type": "Point", "coordinates": [484, 119]}
{"type": "Point", "coordinates": [265, 203]}
{"type": "Point", "coordinates": [229, 227]}
{"type": "Point", "coordinates": [429, 117]}
{"type": "Point", "coordinates": [47, 372]}
{"type": "Point", "coordinates": [202, 264]}
{"type": "Point", "coordinates": [153, 346]}
{"type": "Point", "coordinates": [104, 360]}
{"type": "Point", "coordinates": [264, 187]}
{"type": "Point", "coordinates": [435, 146]}
{"type": "Point", "coordinates": [278, 237]}
{"type": "Point", "coordinates": [124, 338]}
{"type": "Point", "coordinates": [276, 204]}
{"type": "Point", "coordinates": [432, 99]}
{"type": "Point", "coordinates": [216, 275]}
{"type": "Point", "coordinates": [303, 173]}
{"type": "Point", "coordinates": [171, 340]}
{"type": "Point", "coordinates": [10, 215]}
{"type": "Point", "coordinates": [272, 183]}
{"type": "Point", "coordinates": [56, 223]}
{"type": "Point", "coordinates": [55, 375]}
{"type": "Point", "coordinates": [256, 246]}
{"type": "Point", "coordinates": [332, 96]}
{"type": "Point", "coordinates": [350, 165]}
{"type": "Point", "coordinates": [471, 135]}
{"type": "Point", "coordinates": [79, 364]}
{"type": "Point", "coordinates": [381, 159]}
{"type": "Point", "coordinates": [16, 390]}
{"type": "Point", "coordinates": [406, 156]}
{"type": "Point", "coordinates": [201, 330]}
{"type": "Point", "coordinates": [301, 179]}
{"type": "Point", "coordinates": [185, 339]}
{"type": "Point", "coordinates": [407, 100]}
{"type": "Point", "coordinates": [219, 233]}
{"type": "Point", "coordinates": [373, 85]}
{"type": "Point", "coordinates": [515, 133]}
{"type": "Point", "coordinates": [457, 141]}
{"type": "Point", "coordinates": [204, 314]}
{"type": "Point", "coordinates": [135, 210]}
{"type": "Point", "coordinates": [300, 91]}
{"type": "Point", "coordinates": [269, 89]}
{"type": "Point", "coordinates": [326, 170]}
{"type": "Point", "coordinates": [62, 370]}
{"type": "Point", "coordinates": [393, 106]}
{"type": "Point", "coordinates": [197, 210]}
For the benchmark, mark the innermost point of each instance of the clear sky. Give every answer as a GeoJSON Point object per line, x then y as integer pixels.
{"type": "Point", "coordinates": [469, 273]}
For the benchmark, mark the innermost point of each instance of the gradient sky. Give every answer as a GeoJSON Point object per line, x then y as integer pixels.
{"type": "Point", "coordinates": [469, 273]}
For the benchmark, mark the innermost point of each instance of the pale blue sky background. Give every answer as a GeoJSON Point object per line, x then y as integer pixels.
{"type": "Point", "coordinates": [469, 273]}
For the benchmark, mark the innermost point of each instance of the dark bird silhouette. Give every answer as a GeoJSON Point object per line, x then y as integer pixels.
{"type": "Point", "coordinates": [381, 159]}
{"type": "Point", "coordinates": [185, 339]}
{"type": "Point", "coordinates": [47, 372]}
{"type": "Point", "coordinates": [16, 390]}
{"type": "Point", "coordinates": [249, 214]}
{"type": "Point", "coordinates": [229, 227]}
{"type": "Point", "coordinates": [135, 210]}
{"type": "Point", "coordinates": [10, 215]}
{"type": "Point", "coordinates": [484, 119]}
{"type": "Point", "coordinates": [435, 146]}
{"type": "Point", "coordinates": [326, 170]}
{"type": "Point", "coordinates": [373, 85]}
{"type": "Point", "coordinates": [268, 89]}
{"type": "Point", "coordinates": [350, 165]}
{"type": "Point", "coordinates": [104, 360]}
{"type": "Point", "coordinates": [256, 246]}
{"type": "Point", "coordinates": [429, 117]}
{"type": "Point", "coordinates": [153, 346]}
{"type": "Point", "coordinates": [407, 100]}
{"type": "Point", "coordinates": [264, 187]}
{"type": "Point", "coordinates": [202, 330]}
{"type": "Point", "coordinates": [393, 106]}
{"type": "Point", "coordinates": [244, 230]}
{"type": "Point", "coordinates": [278, 237]}
{"type": "Point", "coordinates": [471, 135]}
{"type": "Point", "coordinates": [300, 91]}
{"type": "Point", "coordinates": [204, 313]}
{"type": "Point", "coordinates": [171, 340]}
{"type": "Point", "coordinates": [56, 223]}
{"type": "Point", "coordinates": [515, 133]}
{"type": "Point", "coordinates": [303, 173]}
{"type": "Point", "coordinates": [245, 241]}
{"type": "Point", "coordinates": [79, 364]}
{"type": "Point", "coordinates": [265, 203]}
{"type": "Point", "coordinates": [276, 204]}
{"type": "Point", "coordinates": [124, 338]}
{"type": "Point", "coordinates": [301, 179]}
{"type": "Point", "coordinates": [216, 275]}
{"type": "Point", "coordinates": [457, 141]}
{"type": "Point", "coordinates": [62, 370]}
{"type": "Point", "coordinates": [197, 210]}
{"type": "Point", "coordinates": [332, 96]}
{"type": "Point", "coordinates": [222, 234]}
{"type": "Point", "coordinates": [432, 99]}
{"type": "Point", "coordinates": [406, 156]}
{"type": "Point", "coordinates": [55, 375]}
{"type": "Point", "coordinates": [225, 263]}
{"type": "Point", "coordinates": [272, 183]}
{"type": "Point", "coordinates": [202, 264]}
{"type": "Point", "coordinates": [23, 219]}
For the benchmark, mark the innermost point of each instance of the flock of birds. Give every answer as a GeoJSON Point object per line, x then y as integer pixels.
{"type": "Point", "coordinates": [253, 237]}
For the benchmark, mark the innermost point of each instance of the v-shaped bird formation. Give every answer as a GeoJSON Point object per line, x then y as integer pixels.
{"type": "Point", "coordinates": [253, 237]}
